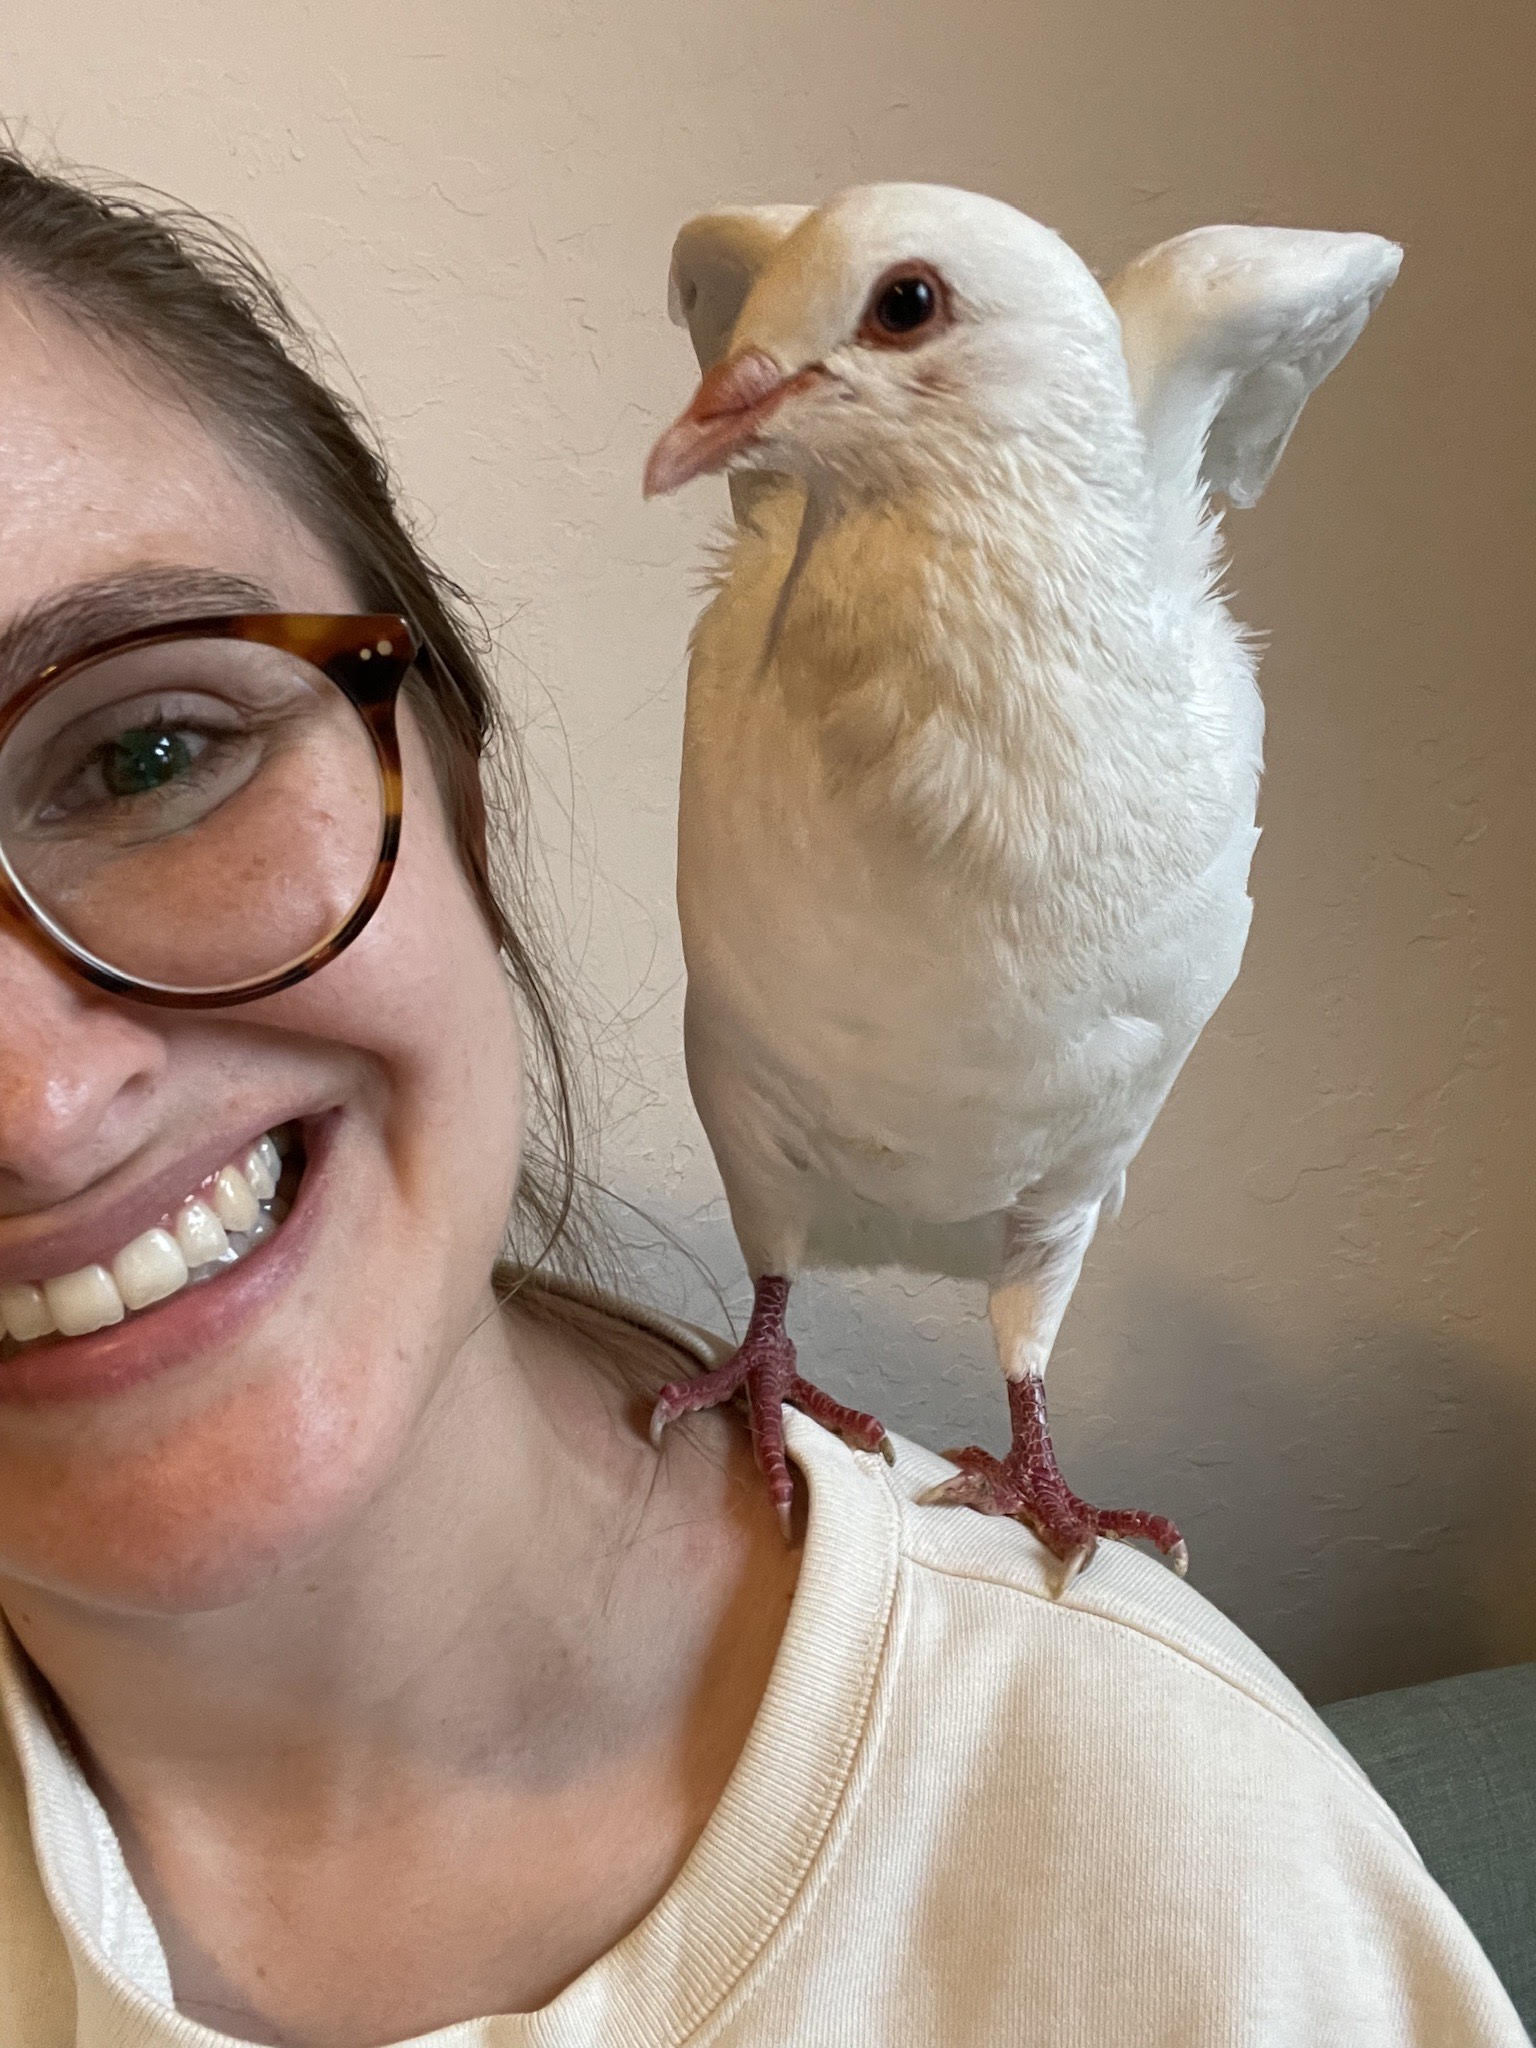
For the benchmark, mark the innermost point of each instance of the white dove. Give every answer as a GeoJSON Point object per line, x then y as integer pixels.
{"type": "Point", "coordinates": [972, 746]}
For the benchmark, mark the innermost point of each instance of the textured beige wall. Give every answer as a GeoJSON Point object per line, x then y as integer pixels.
{"type": "Point", "coordinates": [1311, 1337]}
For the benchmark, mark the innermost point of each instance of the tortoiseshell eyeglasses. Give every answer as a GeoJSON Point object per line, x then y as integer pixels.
{"type": "Point", "coordinates": [206, 811]}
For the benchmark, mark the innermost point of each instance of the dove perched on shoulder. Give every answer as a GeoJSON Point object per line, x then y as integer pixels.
{"type": "Point", "coordinates": [972, 746]}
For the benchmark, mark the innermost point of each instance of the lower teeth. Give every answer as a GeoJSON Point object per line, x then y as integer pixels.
{"type": "Point", "coordinates": [240, 1242]}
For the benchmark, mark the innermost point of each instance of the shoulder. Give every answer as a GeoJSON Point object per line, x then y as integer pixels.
{"type": "Point", "coordinates": [1131, 1673]}
{"type": "Point", "coordinates": [976, 1610]}
{"type": "Point", "coordinates": [1124, 1805]}
{"type": "Point", "coordinates": [1111, 1805]}
{"type": "Point", "coordinates": [1127, 1610]}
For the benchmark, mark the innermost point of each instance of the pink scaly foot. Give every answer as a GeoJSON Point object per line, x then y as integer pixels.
{"type": "Point", "coordinates": [1028, 1485]}
{"type": "Point", "coordinates": [763, 1366]}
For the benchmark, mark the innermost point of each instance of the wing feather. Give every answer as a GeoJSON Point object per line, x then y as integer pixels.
{"type": "Point", "coordinates": [1228, 331]}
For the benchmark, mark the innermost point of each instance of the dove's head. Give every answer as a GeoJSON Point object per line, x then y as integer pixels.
{"type": "Point", "coordinates": [898, 332]}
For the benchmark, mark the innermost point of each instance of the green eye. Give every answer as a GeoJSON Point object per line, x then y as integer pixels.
{"type": "Point", "coordinates": [142, 760]}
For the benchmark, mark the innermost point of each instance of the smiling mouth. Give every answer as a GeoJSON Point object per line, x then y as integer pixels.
{"type": "Point", "coordinates": [217, 1224]}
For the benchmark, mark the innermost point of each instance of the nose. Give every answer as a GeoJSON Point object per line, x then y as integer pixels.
{"type": "Point", "coordinates": [74, 1067]}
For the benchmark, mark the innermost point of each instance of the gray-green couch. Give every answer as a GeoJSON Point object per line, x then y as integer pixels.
{"type": "Point", "coordinates": [1457, 1762]}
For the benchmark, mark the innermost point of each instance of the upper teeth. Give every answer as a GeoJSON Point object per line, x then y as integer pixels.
{"type": "Point", "coordinates": [233, 1202]}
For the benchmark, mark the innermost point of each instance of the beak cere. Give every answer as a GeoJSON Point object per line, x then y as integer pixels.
{"type": "Point", "coordinates": [728, 413]}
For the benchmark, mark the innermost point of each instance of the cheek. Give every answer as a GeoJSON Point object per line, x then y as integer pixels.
{"type": "Point", "coordinates": [193, 1495]}
{"type": "Point", "coordinates": [422, 995]}
{"type": "Point", "coordinates": [225, 1494]}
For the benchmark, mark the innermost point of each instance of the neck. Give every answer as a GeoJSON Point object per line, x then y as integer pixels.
{"type": "Point", "coordinates": [492, 1610]}
{"type": "Point", "coordinates": [1006, 665]}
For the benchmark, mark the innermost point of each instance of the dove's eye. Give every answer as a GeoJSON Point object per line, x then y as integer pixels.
{"type": "Point", "coordinates": [905, 307]}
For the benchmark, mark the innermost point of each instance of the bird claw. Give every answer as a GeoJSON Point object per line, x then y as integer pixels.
{"type": "Point", "coordinates": [860, 1431]}
{"type": "Point", "coordinates": [965, 1490]}
{"type": "Point", "coordinates": [763, 1370]}
{"type": "Point", "coordinates": [1071, 1565]}
{"type": "Point", "coordinates": [1027, 1486]}
{"type": "Point", "coordinates": [661, 1415]}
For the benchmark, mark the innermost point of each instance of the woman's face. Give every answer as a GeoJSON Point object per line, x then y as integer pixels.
{"type": "Point", "coordinates": [173, 1462]}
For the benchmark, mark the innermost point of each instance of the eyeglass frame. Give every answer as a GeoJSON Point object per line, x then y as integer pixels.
{"type": "Point", "coordinates": [344, 647]}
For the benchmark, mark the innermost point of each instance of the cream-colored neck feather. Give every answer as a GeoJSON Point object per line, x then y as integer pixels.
{"type": "Point", "coordinates": [997, 676]}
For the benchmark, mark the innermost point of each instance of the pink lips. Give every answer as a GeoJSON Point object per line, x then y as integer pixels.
{"type": "Point", "coordinates": [190, 1325]}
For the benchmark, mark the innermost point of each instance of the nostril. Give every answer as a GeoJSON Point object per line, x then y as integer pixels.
{"type": "Point", "coordinates": [73, 1068]}
{"type": "Point", "coordinates": [50, 1124]}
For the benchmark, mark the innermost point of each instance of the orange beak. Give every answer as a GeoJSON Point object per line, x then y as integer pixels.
{"type": "Point", "coordinates": [728, 413]}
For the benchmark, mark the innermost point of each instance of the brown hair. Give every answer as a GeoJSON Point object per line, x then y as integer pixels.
{"type": "Point", "coordinates": [188, 296]}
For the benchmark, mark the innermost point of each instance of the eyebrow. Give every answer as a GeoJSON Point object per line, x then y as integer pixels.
{"type": "Point", "coordinates": [70, 621]}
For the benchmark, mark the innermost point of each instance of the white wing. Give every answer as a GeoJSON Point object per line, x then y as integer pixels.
{"type": "Point", "coordinates": [1228, 331]}
{"type": "Point", "coordinates": [715, 262]}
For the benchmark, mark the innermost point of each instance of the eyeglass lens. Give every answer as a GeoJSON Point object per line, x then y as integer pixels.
{"type": "Point", "coordinates": [194, 814]}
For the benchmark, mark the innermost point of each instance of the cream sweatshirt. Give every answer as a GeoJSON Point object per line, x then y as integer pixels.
{"type": "Point", "coordinates": [967, 1816]}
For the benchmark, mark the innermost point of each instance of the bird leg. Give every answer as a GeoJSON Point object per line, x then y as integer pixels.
{"type": "Point", "coordinates": [1026, 1309]}
{"type": "Point", "coordinates": [1028, 1485]}
{"type": "Point", "coordinates": [763, 1368]}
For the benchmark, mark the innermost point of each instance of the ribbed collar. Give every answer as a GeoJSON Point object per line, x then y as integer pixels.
{"type": "Point", "coordinates": [765, 1845]}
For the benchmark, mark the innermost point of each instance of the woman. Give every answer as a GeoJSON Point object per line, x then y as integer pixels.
{"type": "Point", "coordinates": [369, 1674]}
